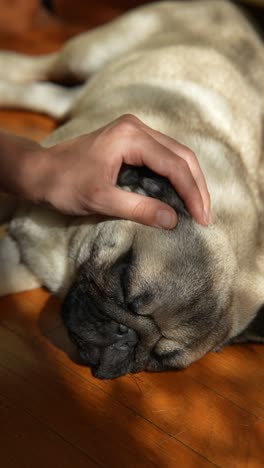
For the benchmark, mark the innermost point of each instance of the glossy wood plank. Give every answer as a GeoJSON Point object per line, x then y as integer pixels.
{"type": "Point", "coordinates": [82, 413]}
{"type": "Point", "coordinates": [182, 407]}
{"type": "Point", "coordinates": [46, 447]}
{"type": "Point", "coordinates": [237, 373]}
{"type": "Point", "coordinates": [227, 373]}
{"type": "Point", "coordinates": [26, 124]}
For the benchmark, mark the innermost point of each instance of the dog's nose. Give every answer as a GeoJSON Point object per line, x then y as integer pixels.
{"type": "Point", "coordinates": [117, 358]}
{"type": "Point", "coordinates": [122, 329]}
{"type": "Point", "coordinates": [126, 338]}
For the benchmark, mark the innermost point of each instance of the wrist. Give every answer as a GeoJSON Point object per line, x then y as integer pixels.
{"type": "Point", "coordinates": [35, 174]}
{"type": "Point", "coordinates": [18, 164]}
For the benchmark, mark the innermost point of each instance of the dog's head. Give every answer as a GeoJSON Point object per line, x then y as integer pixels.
{"type": "Point", "coordinates": [146, 298]}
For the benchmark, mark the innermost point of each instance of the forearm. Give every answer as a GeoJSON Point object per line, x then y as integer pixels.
{"type": "Point", "coordinates": [21, 165]}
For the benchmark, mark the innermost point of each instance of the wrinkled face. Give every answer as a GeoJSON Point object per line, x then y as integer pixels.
{"type": "Point", "coordinates": [145, 298]}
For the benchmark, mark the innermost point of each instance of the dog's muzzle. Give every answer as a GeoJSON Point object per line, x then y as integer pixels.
{"type": "Point", "coordinates": [105, 345]}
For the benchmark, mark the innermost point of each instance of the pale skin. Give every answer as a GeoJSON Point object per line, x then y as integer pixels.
{"type": "Point", "coordinates": [79, 176]}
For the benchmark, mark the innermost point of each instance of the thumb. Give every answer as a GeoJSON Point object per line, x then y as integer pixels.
{"type": "Point", "coordinates": [139, 208]}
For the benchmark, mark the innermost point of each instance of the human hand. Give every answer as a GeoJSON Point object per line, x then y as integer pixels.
{"type": "Point", "coordinates": [81, 174]}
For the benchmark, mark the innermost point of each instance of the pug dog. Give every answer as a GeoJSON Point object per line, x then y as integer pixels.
{"type": "Point", "coordinates": [137, 297]}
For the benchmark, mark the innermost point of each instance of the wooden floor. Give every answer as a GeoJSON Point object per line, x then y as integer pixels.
{"type": "Point", "coordinates": [55, 414]}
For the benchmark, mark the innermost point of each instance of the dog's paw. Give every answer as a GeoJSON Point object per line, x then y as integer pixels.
{"type": "Point", "coordinates": [146, 182]}
{"type": "Point", "coordinates": [14, 275]}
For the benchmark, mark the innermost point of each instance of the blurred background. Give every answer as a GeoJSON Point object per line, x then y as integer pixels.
{"type": "Point", "coordinates": [41, 26]}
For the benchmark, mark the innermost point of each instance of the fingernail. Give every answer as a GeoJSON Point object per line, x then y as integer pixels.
{"type": "Point", "coordinates": [165, 219]}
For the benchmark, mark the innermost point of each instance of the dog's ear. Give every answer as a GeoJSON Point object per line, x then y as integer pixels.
{"type": "Point", "coordinates": [254, 333]}
{"type": "Point", "coordinates": [146, 182]}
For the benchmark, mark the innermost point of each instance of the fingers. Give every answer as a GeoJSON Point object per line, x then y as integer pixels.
{"type": "Point", "coordinates": [167, 157]}
{"type": "Point", "coordinates": [193, 163]}
{"type": "Point", "coordinates": [149, 152]}
{"type": "Point", "coordinates": [114, 201]}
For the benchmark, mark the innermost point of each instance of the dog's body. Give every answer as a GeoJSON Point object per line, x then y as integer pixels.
{"type": "Point", "coordinates": [195, 72]}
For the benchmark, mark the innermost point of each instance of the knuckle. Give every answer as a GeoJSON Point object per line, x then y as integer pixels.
{"type": "Point", "coordinates": [127, 124]}
{"type": "Point", "coordinates": [140, 211]}
{"type": "Point", "coordinates": [182, 165]}
{"type": "Point", "coordinates": [129, 118]}
{"type": "Point", "coordinates": [190, 156]}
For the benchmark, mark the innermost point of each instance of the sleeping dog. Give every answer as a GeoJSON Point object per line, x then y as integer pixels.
{"type": "Point", "coordinates": [137, 297]}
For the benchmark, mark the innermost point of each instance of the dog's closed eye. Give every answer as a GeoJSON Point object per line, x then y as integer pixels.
{"type": "Point", "coordinates": [166, 355]}
{"type": "Point", "coordinates": [121, 270]}
{"type": "Point", "coordinates": [136, 304]}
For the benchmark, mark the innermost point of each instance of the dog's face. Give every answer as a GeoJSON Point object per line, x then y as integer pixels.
{"type": "Point", "coordinates": [146, 301]}
{"type": "Point", "coordinates": [146, 298]}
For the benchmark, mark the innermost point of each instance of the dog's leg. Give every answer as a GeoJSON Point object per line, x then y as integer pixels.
{"type": "Point", "coordinates": [78, 59]}
{"type": "Point", "coordinates": [14, 276]}
{"type": "Point", "coordinates": [46, 98]}
{"type": "Point", "coordinates": [22, 68]}
{"type": "Point", "coordinates": [86, 53]}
